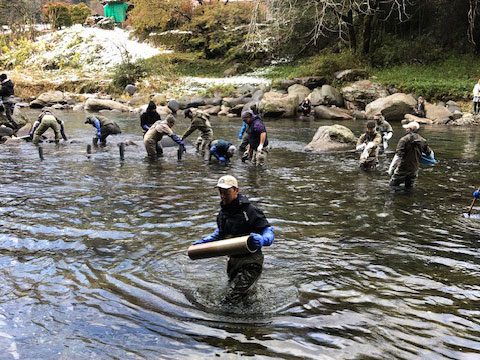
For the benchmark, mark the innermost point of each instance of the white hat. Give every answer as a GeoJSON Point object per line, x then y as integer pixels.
{"type": "Point", "coordinates": [412, 126]}
{"type": "Point", "coordinates": [227, 182]}
{"type": "Point", "coordinates": [231, 149]}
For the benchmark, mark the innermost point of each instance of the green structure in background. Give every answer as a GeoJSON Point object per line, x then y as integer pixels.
{"type": "Point", "coordinates": [116, 9]}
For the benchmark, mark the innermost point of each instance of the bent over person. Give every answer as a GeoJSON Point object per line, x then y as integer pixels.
{"type": "Point", "coordinates": [369, 144]}
{"type": "Point", "coordinates": [104, 126]}
{"type": "Point", "coordinates": [46, 121]}
{"type": "Point", "coordinates": [405, 164]}
{"type": "Point", "coordinates": [238, 217]}
{"type": "Point", "coordinates": [222, 150]}
{"type": "Point", "coordinates": [200, 122]}
{"type": "Point", "coordinates": [149, 117]}
{"type": "Point", "coordinates": [155, 134]}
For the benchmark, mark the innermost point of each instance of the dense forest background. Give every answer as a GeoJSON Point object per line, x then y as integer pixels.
{"type": "Point", "coordinates": [427, 46]}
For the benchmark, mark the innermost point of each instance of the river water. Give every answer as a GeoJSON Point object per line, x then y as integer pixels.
{"type": "Point", "coordinates": [93, 260]}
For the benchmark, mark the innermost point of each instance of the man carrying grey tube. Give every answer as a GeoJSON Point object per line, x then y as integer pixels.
{"type": "Point", "coordinates": [238, 217]}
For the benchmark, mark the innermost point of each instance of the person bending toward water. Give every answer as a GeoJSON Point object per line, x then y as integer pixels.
{"type": "Point", "coordinates": [369, 144]}
{"type": "Point", "coordinates": [420, 107]}
{"type": "Point", "coordinates": [238, 217]}
{"type": "Point", "coordinates": [384, 129]}
{"type": "Point", "coordinates": [155, 134]}
{"type": "Point", "coordinates": [222, 150]}
{"type": "Point", "coordinates": [149, 117]}
{"type": "Point", "coordinates": [46, 121]}
{"type": "Point", "coordinates": [305, 108]}
{"type": "Point", "coordinates": [405, 164]}
{"type": "Point", "coordinates": [200, 121]}
{"type": "Point", "coordinates": [104, 127]}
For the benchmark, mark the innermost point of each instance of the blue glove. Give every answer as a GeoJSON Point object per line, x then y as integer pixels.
{"type": "Point", "coordinates": [213, 237]}
{"type": "Point", "coordinates": [222, 159]}
{"type": "Point", "coordinates": [257, 240]}
{"type": "Point", "coordinates": [266, 239]}
{"type": "Point", "coordinates": [476, 194]}
{"type": "Point", "coordinates": [146, 127]}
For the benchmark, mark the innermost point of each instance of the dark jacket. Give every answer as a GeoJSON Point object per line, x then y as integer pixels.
{"type": "Point", "coordinates": [420, 110]}
{"type": "Point", "coordinates": [409, 149]}
{"type": "Point", "coordinates": [148, 118]}
{"type": "Point", "coordinates": [241, 218]}
{"type": "Point", "coordinates": [7, 89]}
{"type": "Point", "coordinates": [255, 129]}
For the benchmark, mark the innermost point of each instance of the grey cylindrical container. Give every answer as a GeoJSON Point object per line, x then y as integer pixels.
{"type": "Point", "coordinates": [236, 246]}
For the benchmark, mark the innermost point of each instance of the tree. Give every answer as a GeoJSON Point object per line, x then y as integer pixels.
{"type": "Point", "coordinates": [159, 15]}
{"type": "Point", "coordinates": [79, 13]}
{"type": "Point", "coordinates": [57, 14]}
{"type": "Point", "coordinates": [351, 21]}
{"type": "Point", "coordinates": [20, 15]}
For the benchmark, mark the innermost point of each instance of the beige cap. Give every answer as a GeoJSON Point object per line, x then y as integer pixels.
{"type": "Point", "coordinates": [412, 126]}
{"type": "Point", "coordinates": [227, 182]}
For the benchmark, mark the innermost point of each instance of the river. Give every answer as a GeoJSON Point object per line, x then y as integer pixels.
{"type": "Point", "coordinates": [93, 261]}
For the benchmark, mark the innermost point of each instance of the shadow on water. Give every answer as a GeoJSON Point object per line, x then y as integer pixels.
{"type": "Point", "coordinates": [93, 257]}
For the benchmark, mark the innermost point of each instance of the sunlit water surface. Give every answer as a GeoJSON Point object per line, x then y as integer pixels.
{"type": "Point", "coordinates": [93, 261]}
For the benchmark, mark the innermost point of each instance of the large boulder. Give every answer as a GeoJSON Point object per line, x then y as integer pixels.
{"type": "Point", "coordinates": [326, 95]}
{"type": "Point", "coordinates": [24, 130]}
{"type": "Point", "coordinates": [393, 107]}
{"type": "Point", "coordinates": [274, 104]}
{"type": "Point", "coordinates": [215, 101]}
{"type": "Point", "coordinates": [437, 113]}
{"type": "Point", "coordinates": [173, 105]}
{"type": "Point", "coordinates": [410, 118]}
{"type": "Point", "coordinates": [5, 131]}
{"type": "Point", "coordinates": [93, 104]}
{"type": "Point", "coordinates": [332, 138]}
{"type": "Point", "coordinates": [197, 102]}
{"type": "Point", "coordinates": [350, 75]}
{"type": "Point", "coordinates": [332, 113]}
{"type": "Point", "coordinates": [258, 95]}
{"type": "Point", "coordinates": [299, 90]}
{"type": "Point", "coordinates": [360, 93]}
{"type": "Point", "coordinates": [232, 102]}
{"type": "Point", "coordinates": [48, 99]}
{"type": "Point", "coordinates": [453, 107]}
{"type": "Point", "coordinates": [311, 82]}
{"type": "Point", "coordinates": [131, 89]}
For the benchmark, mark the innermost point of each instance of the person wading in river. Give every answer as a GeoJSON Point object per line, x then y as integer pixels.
{"type": "Point", "coordinates": [46, 121]}
{"type": "Point", "coordinates": [238, 217]}
{"type": "Point", "coordinates": [155, 134]}
{"type": "Point", "coordinates": [384, 129]}
{"type": "Point", "coordinates": [405, 164]}
{"type": "Point", "coordinates": [6, 97]}
{"type": "Point", "coordinates": [222, 150]}
{"type": "Point", "coordinates": [149, 117]}
{"type": "Point", "coordinates": [257, 139]}
{"type": "Point", "coordinates": [369, 144]}
{"type": "Point", "coordinates": [200, 121]}
{"type": "Point", "coordinates": [104, 126]}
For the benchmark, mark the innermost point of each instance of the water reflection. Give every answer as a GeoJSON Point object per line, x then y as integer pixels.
{"type": "Point", "coordinates": [93, 253]}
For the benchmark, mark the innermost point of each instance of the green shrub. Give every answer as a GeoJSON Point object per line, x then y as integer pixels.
{"type": "Point", "coordinates": [217, 27]}
{"type": "Point", "coordinates": [395, 51]}
{"type": "Point", "coordinates": [79, 13]}
{"type": "Point", "coordinates": [452, 78]}
{"type": "Point", "coordinates": [325, 64]}
{"type": "Point", "coordinates": [128, 73]}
